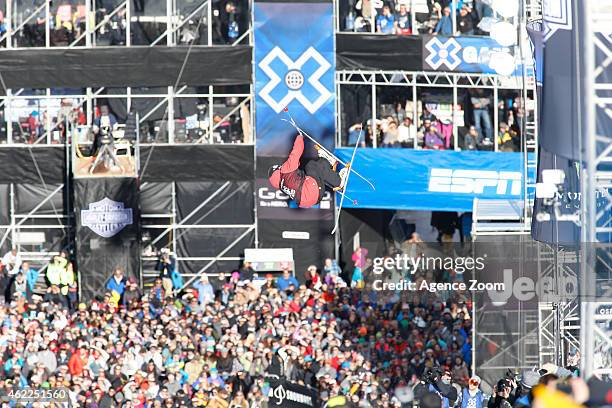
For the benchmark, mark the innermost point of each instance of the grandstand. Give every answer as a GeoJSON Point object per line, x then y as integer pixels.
{"type": "Point", "coordinates": [146, 259]}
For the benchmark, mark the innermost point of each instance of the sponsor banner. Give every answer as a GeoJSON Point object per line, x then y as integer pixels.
{"type": "Point", "coordinates": [274, 204]}
{"type": "Point", "coordinates": [429, 180]}
{"type": "Point", "coordinates": [294, 68]}
{"type": "Point", "coordinates": [106, 217]}
{"type": "Point", "coordinates": [561, 95]}
{"type": "Point", "coordinates": [107, 230]}
{"type": "Point", "coordinates": [470, 54]}
{"type": "Point", "coordinates": [283, 393]}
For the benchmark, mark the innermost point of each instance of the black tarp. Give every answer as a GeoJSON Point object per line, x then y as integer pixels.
{"type": "Point", "coordinates": [383, 52]}
{"type": "Point", "coordinates": [311, 251]}
{"type": "Point", "coordinates": [227, 203]}
{"type": "Point", "coordinates": [5, 216]}
{"type": "Point", "coordinates": [32, 164]}
{"type": "Point", "coordinates": [107, 235]}
{"type": "Point", "coordinates": [183, 107]}
{"type": "Point", "coordinates": [123, 67]}
{"type": "Point", "coordinates": [197, 163]}
{"type": "Point", "coordinates": [156, 198]}
{"type": "Point", "coordinates": [29, 196]}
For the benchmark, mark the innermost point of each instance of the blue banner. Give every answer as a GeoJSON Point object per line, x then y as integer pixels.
{"type": "Point", "coordinates": [471, 54]}
{"type": "Point", "coordinates": [432, 180]}
{"type": "Point", "coordinates": [294, 69]}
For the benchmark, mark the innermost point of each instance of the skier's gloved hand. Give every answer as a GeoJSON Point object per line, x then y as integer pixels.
{"type": "Point", "coordinates": [343, 173]}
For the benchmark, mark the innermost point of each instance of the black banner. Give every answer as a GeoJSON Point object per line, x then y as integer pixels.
{"type": "Point", "coordinates": [108, 234]}
{"type": "Point", "coordinates": [121, 67]}
{"type": "Point", "coordinates": [197, 163]}
{"type": "Point", "coordinates": [311, 240]}
{"type": "Point", "coordinates": [373, 51]}
{"type": "Point", "coordinates": [289, 395]}
{"type": "Point", "coordinates": [32, 164]}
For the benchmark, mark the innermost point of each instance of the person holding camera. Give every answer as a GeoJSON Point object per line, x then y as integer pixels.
{"type": "Point", "coordinates": [436, 381]}
{"type": "Point", "coordinates": [166, 265]}
{"type": "Point", "coordinates": [501, 394]}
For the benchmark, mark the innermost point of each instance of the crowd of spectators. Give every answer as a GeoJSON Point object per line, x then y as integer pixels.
{"type": "Point", "coordinates": [406, 17]}
{"type": "Point", "coordinates": [215, 344]}
{"type": "Point", "coordinates": [218, 343]}
{"type": "Point", "coordinates": [397, 128]}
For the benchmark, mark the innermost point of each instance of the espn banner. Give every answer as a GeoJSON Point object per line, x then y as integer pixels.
{"type": "Point", "coordinates": [107, 233]}
{"type": "Point", "coordinates": [431, 180]}
{"type": "Point", "coordinates": [294, 69]}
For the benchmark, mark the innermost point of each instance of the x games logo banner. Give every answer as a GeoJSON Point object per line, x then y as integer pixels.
{"type": "Point", "coordinates": [470, 54]}
{"type": "Point", "coordinates": [294, 68]}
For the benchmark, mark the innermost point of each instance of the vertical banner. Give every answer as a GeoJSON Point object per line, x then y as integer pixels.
{"type": "Point", "coordinates": [294, 69]}
{"type": "Point", "coordinates": [107, 235]}
{"type": "Point", "coordinates": [561, 97]}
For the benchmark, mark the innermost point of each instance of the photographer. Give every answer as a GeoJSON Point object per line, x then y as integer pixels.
{"type": "Point", "coordinates": [166, 265]}
{"type": "Point", "coordinates": [522, 395]}
{"type": "Point", "coordinates": [436, 381]}
{"type": "Point", "coordinates": [501, 394]}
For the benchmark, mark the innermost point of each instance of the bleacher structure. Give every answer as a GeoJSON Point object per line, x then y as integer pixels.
{"type": "Point", "coordinates": [42, 230]}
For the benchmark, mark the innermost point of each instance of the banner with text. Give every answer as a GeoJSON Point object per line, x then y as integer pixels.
{"type": "Point", "coordinates": [431, 180]}
{"type": "Point", "coordinates": [471, 54]}
{"type": "Point", "coordinates": [294, 69]}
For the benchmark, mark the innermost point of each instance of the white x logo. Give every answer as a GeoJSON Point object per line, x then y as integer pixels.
{"type": "Point", "coordinates": [293, 66]}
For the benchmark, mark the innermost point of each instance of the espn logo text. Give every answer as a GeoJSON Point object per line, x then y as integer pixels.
{"type": "Point", "coordinates": [475, 181]}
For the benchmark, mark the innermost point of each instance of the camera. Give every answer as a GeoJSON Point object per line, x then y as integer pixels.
{"type": "Point", "coordinates": [432, 375]}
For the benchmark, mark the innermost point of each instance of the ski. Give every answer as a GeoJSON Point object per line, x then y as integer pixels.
{"type": "Point", "coordinates": [349, 165]}
{"type": "Point", "coordinates": [292, 123]}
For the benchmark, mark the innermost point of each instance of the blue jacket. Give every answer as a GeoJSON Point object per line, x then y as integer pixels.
{"type": "Point", "coordinates": [283, 283]}
{"type": "Point", "coordinates": [31, 276]}
{"type": "Point", "coordinates": [118, 287]}
{"type": "Point", "coordinates": [466, 398]}
{"type": "Point", "coordinates": [445, 26]}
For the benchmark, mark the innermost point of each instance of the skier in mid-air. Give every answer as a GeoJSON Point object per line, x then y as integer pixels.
{"type": "Point", "coordinates": [307, 186]}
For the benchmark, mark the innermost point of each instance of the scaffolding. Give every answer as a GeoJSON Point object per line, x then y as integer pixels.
{"type": "Point", "coordinates": [89, 24]}
{"type": "Point", "coordinates": [213, 110]}
{"type": "Point", "coordinates": [419, 80]}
